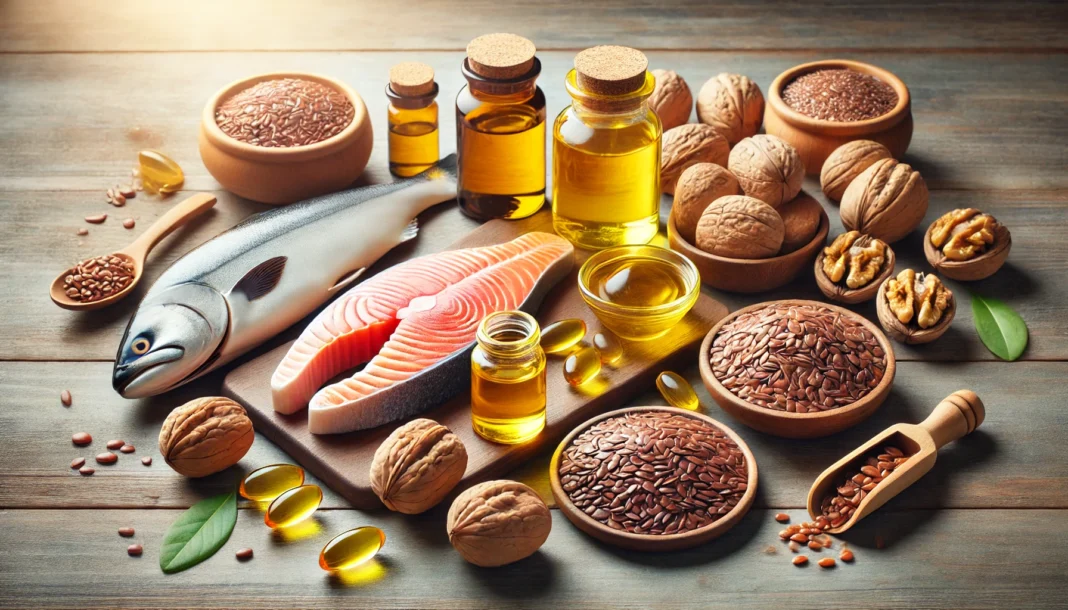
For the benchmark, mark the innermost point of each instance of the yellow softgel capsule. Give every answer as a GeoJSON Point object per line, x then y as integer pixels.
{"type": "Point", "coordinates": [582, 366]}
{"type": "Point", "coordinates": [677, 391]}
{"type": "Point", "coordinates": [293, 506]}
{"type": "Point", "coordinates": [269, 482]}
{"type": "Point", "coordinates": [561, 336]}
{"type": "Point", "coordinates": [609, 346]}
{"type": "Point", "coordinates": [352, 548]}
{"type": "Point", "coordinates": [159, 173]}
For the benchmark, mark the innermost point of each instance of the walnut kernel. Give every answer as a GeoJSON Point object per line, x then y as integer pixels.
{"type": "Point", "coordinates": [732, 104]}
{"type": "Point", "coordinates": [767, 168]}
{"type": "Point", "coordinates": [862, 255]}
{"type": "Point", "coordinates": [964, 234]}
{"type": "Point", "coordinates": [923, 297]}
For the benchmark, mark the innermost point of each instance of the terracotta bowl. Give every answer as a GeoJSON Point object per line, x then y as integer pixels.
{"type": "Point", "coordinates": [816, 139]}
{"type": "Point", "coordinates": [284, 175]}
{"type": "Point", "coordinates": [980, 267]}
{"type": "Point", "coordinates": [647, 542]}
{"type": "Point", "coordinates": [798, 425]}
{"type": "Point", "coordinates": [749, 275]}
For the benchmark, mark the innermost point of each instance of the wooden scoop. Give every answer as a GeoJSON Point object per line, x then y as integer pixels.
{"type": "Point", "coordinates": [958, 414]}
{"type": "Point", "coordinates": [137, 252]}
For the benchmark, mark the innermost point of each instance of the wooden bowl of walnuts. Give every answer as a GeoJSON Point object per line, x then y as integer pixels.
{"type": "Point", "coordinates": [815, 139]}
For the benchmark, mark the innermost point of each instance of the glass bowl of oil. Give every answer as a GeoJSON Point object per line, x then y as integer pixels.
{"type": "Point", "coordinates": [639, 292]}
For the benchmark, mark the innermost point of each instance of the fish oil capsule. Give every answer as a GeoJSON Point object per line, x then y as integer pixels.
{"type": "Point", "coordinates": [293, 506]}
{"type": "Point", "coordinates": [352, 548]}
{"type": "Point", "coordinates": [561, 336]}
{"type": "Point", "coordinates": [609, 346]}
{"type": "Point", "coordinates": [269, 482]}
{"type": "Point", "coordinates": [677, 391]}
{"type": "Point", "coordinates": [582, 366]}
{"type": "Point", "coordinates": [413, 118]}
{"type": "Point", "coordinates": [159, 173]}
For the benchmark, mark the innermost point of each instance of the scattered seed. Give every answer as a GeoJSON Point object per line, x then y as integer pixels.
{"type": "Point", "coordinates": [800, 560]}
{"type": "Point", "coordinates": [83, 231]}
{"type": "Point", "coordinates": [120, 200]}
{"type": "Point", "coordinates": [86, 471]}
{"type": "Point", "coordinates": [802, 538]}
{"type": "Point", "coordinates": [815, 546]}
{"type": "Point", "coordinates": [147, 461]}
{"type": "Point", "coordinates": [244, 554]}
{"type": "Point", "coordinates": [795, 547]}
{"type": "Point", "coordinates": [128, 223]}
{"type": "Point", "coordinates": [126, 532]}
{"type": "Point", "coordinates": [782, 517]}
{"type": "Point", "coordinates": [127, 449]}
{"type": "Point", "coordinates": [106, 458]}
{"type": "Point", "coordinates": [135, 550]}
{"type": "Point", "coordinates": [846, 555]}
{"type": "Point", "coordinates": [96, 219]}
{"type": "Point", "coordinates": [81, 438]}
{"type": "Point", "coordinates": [115, 444]}
{"type": "Point", "coordinates": [770, 550]}
{"type": "Point", "coordinates": [827, 562]}
{"type": "Point", "coordinates": [66, 398]}
{"type": "Point", "coordinates": [77, 463]}
{"type": "Point", "coordinates": [127, 191]}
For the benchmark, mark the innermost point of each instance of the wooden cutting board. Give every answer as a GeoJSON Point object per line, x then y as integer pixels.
{"type": "Point", "coordinates": [342, 461]}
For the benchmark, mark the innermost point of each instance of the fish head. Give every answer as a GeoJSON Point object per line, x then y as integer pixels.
{"type": "Point", "coordinates": [171, 336]}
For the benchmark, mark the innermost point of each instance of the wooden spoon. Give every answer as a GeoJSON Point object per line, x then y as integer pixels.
{"type": "Point", "coordinates": [957, 415]}
{"type": "Point", "coordinates": [137, 252]}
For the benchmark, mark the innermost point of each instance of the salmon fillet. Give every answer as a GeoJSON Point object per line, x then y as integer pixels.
{"type": "Point", "coordinates": [414, 325]}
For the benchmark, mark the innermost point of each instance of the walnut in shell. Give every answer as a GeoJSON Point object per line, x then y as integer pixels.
{"type": "Point", "coordinates": [967, 245]}
{"type": "Point", "coordinates": [417, 466]}
{"type": "Point", "coordinates": [801, 219]}
{"type": "Point", "coordinates": [688, 145]}
{"type": "Point", "coordinates": [846, 163]}
{"type": "Point", "coordinates": [205, 436]}
{"type": "Point", "coordinates": [671, 99]}
{"type": "Point", "coordinates": [498, 522]}
{"type": "Point", "coordinates": [732, 104]}
{"type": "Point", "coordinates": [737, 226]}
{"type": "Point", "coordinates": [699, 185]}
{"type": "Point", "coordinates": [887, 201]}
{"type": "Point", "coordinates": [914, 308]}
{"type": "Point", "coordinates": [767, 168]}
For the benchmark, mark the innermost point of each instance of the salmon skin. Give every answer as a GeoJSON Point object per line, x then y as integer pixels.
{"type": "Point", "coordinates": [414, 325]}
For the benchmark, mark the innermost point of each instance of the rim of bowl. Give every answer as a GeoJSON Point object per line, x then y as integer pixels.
{"type": "Point", "coordinates": [884, 342]}
{"type": "Point", "coordinates": [821, 236]}
{"type": "Point", "coordinates": [309, 151]}
{"type": "Point", "coordinates": [693, 277]}
{"type": "Point", "coordinates": [744, 503]}
{"type": "Point", "coordinates": [891, 118]}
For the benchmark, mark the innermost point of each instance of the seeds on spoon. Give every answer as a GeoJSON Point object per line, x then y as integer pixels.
{"type": "Point", "coordinates": [97, 278]}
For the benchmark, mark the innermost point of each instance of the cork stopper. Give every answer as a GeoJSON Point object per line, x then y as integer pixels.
{"type": "Point", "coordinates": [500, 56]}
{"type": "Point", "coordinates": [411, 79]}
{"type": "Point", "coordinates": [610, 70]}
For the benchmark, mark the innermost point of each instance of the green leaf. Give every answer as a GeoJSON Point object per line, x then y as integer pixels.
{"type": "Point", "coordinates": [198, 533]}
{"type": "Point", "coordinates": [1002, 330]}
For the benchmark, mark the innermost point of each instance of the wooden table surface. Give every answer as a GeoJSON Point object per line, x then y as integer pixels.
{"type": "Point", "coordinates": [86, 84]}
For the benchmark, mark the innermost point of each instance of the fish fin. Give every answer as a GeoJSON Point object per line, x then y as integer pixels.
{"type": "Point", "coordinates": [347, 279]}
{"type": "Point", "coordinates": [262, 278]}
{"type": "Point", "coordinates": [411, 231]}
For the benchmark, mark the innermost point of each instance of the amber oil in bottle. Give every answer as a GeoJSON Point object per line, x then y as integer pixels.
{"type": "Point", "coordinates": [606, 152]}
{"type": "Point", "coordinates": [508, 379]}
{"type": "Point", "coordinates": [413, 118]}
{"type": "Point", "coordinates": [500, 129]}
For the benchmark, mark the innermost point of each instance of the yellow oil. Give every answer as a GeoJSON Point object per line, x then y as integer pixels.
{"type": "Point", "coordinates": [677, 391]}
{"type": "Point", "coordinates": [606, 173]}
{"type": "Point", "coordinates": [560, 337]}
{"type": "Point", "coordinates": [638, 282]}
{"type": "Point", "coordinates": [269, 482]}
{"type": "Point", "coordinates": [159, 173]}
{"type": "Point", "coordinates": [609, 347]}
{"type": "Point", "coordinates": [352, 548]}
{"type": "Point", "coordinates": [508, 379]}
{"type": "Point", "coordinates": [500, 142]}
{"type": "Point", "coordinates": [582, 366]}
{"type": "Point", "coordinates": [413, 139]}
{"type": "Point", "coordinates": [293, 506]}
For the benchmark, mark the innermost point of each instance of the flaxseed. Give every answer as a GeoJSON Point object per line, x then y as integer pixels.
{"type": "Point", "coordinates": [839, 95]}
{"type": "Point", "coordinates": [283, 113]}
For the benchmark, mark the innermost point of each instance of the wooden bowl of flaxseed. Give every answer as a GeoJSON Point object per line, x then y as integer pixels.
{"type": "Point", "coordinates": [797, 369]}
{"type": "Point", "coordinates": [282, 137]}
{"type": "Point", "coordinates": [653, 478]}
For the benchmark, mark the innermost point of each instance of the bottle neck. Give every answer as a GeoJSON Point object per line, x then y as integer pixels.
{"type": "Point", "coordinates": [502, 91]}
{"type": "Point", "coordinates": [411, 102]}
{"type": "Point", "coordinates": [633, 104]}
{"type": "Point", "coordinates": [508, 335]}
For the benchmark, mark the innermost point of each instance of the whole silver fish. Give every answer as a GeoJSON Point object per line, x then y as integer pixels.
{"type": "Point", "coordinates": [253, 281]}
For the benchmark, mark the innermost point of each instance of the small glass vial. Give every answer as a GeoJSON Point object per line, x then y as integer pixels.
{"type": "Point", "coordinates": [606, 152]}
{"type": "Point", "coordinates": [413, 118]}
{"type": "Point", "coordinates": [508, 379]}
{"type": "Point", "coordinates": [500, 129]}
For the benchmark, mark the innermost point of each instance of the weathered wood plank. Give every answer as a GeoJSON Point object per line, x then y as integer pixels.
{"type": "Point", "coordinates": [983, 121]}
{"type": "Point", "coordinates": [933, 559]}
{"type": "Point", "coordinates": [202, 25]}
{"type": "Point", "coordinates": [1013, 461]}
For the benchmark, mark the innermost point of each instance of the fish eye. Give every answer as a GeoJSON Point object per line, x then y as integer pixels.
{"type": "Point", "coordinates": [140, 346]}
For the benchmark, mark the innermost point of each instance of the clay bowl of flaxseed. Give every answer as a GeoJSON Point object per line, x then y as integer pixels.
{"type": "Point", "coordinates": [797, 369]}
{"type": "Point", "coordinates": [665, 478]}
{"type": "Point", "coordinates": [282, 137]}
{"type": "Point", "coordinates": [817, 111]}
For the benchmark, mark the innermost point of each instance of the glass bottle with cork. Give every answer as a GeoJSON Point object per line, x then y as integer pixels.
{"type": "Point", "coordinates": [413, 118]}
{"type": "Point", "coordinates": [508, 378]}
{"type": "Point", "coordinates": [500, 129]}
{"type": "Point", "coordinates": [606, 152]}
